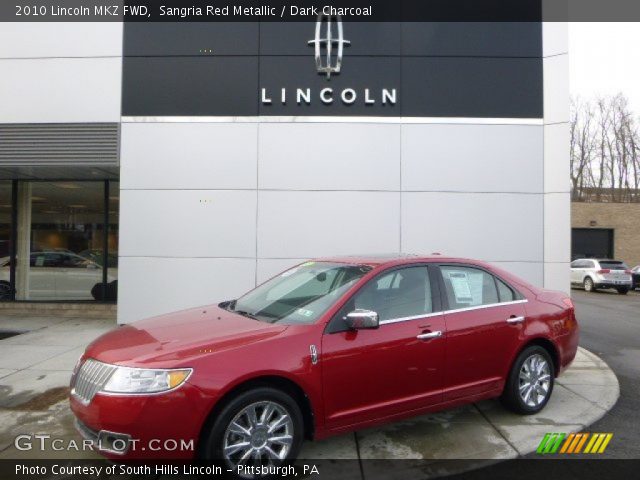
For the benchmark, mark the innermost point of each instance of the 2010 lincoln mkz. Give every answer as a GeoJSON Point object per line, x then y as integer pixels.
{"type": "Point", "coordinates": [326, 347]}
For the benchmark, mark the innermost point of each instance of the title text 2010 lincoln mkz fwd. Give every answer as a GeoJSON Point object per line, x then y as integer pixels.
{"type": "Point", "coordinates": [326, 347]}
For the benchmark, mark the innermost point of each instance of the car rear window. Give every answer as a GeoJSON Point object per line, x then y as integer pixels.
{"type": "Point", "coordinates": [613, 265]}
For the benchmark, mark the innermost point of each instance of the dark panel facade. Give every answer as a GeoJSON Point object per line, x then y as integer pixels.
{"type": "Point", "coordinates": [178, 86]}
{"type": "Point", "coordinates": [240, 69]}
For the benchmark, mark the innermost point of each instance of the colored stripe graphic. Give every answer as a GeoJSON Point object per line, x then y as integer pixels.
{"type": "Point", "coordinates": [598, 443]}
{"type": "Point", "coordinates": [550, 443]}
{"type": "Point", "coordinates": [574, 442]}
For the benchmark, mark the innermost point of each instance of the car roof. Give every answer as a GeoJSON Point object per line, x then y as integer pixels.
{"type": "Point", "coordinates": [388, 259]}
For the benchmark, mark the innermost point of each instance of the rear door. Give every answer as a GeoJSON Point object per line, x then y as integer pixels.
{"type": "Point", "coordinates": [484, 320]}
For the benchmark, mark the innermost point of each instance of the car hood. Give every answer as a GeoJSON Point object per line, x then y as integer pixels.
{"type": "Point", "coordinates": [171, 340]}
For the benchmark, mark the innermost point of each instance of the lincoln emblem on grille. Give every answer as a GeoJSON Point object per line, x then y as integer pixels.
{"type": "Point", "coordinates": [329, 62]}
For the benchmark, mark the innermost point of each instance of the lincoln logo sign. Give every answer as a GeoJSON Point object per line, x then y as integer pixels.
{"type": "Point", "coordinates": [328, 51]}
{"type": "Point", "coordinates": [329, 42]}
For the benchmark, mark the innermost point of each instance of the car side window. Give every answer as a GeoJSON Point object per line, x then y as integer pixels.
{"type": "Point", "coordinates": [468, 287]}
{"type": "Point", "coordinates": [401, 293]}
{"type": "Point", "coordinates": [505, 293]}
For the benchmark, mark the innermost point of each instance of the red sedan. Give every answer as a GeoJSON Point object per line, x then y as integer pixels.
{"type": "Point", "coordinates": [329, 346]}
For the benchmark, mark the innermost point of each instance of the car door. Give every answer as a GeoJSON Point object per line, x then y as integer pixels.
{"type": "Point", "coordinates": [575, 271]}
{"type": "Point", "coordinates": [372, 374]}
{"type": "Point", "coordinates": [484, 321]}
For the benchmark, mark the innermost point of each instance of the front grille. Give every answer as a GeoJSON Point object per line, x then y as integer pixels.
{"type": "Point", "coordinates": [91, 377]}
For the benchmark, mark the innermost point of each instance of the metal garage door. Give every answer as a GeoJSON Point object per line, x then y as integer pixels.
{"type": "Point", "coordinates": [591, 243]}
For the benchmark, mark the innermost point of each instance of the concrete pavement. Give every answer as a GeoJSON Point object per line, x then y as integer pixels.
{"type": "Point", "coordinates": [35, 369]}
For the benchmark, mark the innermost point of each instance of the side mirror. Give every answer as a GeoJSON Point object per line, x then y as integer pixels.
{"type": "Point", "coordinates": [361, 319]}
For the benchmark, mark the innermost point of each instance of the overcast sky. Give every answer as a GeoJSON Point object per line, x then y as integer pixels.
{"type": "Point", "coordinates": [604, 59]}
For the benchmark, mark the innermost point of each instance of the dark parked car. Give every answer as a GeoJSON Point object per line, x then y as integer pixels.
{"type": "Point", "coordinates": [635, 272]}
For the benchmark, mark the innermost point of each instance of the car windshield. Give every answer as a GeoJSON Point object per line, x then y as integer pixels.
{"type": "Point", "coordinates": [299, 295]}
{"type": "Point", "coordinates": [613, 265]}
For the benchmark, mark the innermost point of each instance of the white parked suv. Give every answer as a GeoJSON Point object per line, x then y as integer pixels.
{"type": "Point", "coordinates": [593, 273]}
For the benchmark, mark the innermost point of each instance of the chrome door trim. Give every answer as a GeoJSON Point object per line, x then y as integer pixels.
{"type": "Point", "coordinates": [447, 312]}
{"type": "Point", "coordinates": [480, 307]}
{"type": "Point", "coordinates": [406, 319]}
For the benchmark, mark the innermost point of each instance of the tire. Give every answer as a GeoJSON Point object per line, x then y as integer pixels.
{"type": "Point", "coordinates": [236, 411]}
{"type": "Point", "coordinates": [622, 291]}
{"type": "Point", "coordinates": [589, 285]}
{"type": "Point", "coordinates": [534, 400]}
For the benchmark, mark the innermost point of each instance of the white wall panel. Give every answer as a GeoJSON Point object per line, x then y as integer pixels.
{"type": "Point", "coordinates": [187, 155]}
{"type": "Point", "coordinates": [310, 224]}
{"type": "Point", "coordinates": [556, 89]}
{"type": "Point", "coordinates": [152, 286]}
{"type": "Point", "coordinates": [491, 227]}
{"type": "Point", "coordinates": [60, 39]}
{"type": "Point", "coordinates": [532, 272]}
{"type": "Point", "coordinates": [472, 158]}
{"type": "Point", "coordinates": [317, 156]}
{"type": "Point", "coordinates": [557, 276]}
{"type": "Point", "coordinates": [60, 90]}
{"type": "Point", "coordinates": [555, 38]}
{"type": "Point", "coordinates": [187, 223]}
{"type": "Point", "coordinates": [556, 158]}
{"type": "Point", "coordinates": [557, 227]}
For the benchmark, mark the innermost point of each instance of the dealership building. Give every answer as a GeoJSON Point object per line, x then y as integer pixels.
{"type": "Point", "coordinates": [180, 164]}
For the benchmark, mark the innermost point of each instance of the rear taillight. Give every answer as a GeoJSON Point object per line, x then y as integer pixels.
{"type": "Point", "coordinates": [568, 302]}
{"type": "Point", "coordinates": [628, 272]}
{"type": "Point", "coordinates": [606, 270]}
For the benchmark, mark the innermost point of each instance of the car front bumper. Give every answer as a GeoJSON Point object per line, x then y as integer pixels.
{"type": "Point", "coordinates": [165, 425]}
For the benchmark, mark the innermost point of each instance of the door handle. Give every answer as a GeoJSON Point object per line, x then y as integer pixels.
{"type": "Point", "coordinates": [427, 336]}
{"type": "Point", "coordinates": [513, 319]}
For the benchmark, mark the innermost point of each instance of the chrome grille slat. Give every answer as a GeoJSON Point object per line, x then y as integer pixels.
{"type": "Point", "coordinates": [91, 377]}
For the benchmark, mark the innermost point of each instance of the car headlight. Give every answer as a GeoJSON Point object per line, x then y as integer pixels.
{"type": "Point", "coordinates": [143, 380]}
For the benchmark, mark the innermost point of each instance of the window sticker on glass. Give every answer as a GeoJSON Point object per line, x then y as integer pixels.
{"type": "Point", "coordinates": [40, 261]}
{"type": "Point", "coordinates": [305, 312]}
{"type": "Point", "coordinates": [461, 289]}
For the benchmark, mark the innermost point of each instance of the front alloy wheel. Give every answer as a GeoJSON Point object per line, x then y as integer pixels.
{"type": "Point", "coordinates": [588, 285]}
{"type": "Point", "coordinates": [260, 433]}
{"type": "Point", "coordinates": [262, 426]}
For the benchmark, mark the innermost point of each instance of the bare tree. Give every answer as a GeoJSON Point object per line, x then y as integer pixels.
{"type": "Point", "coordinates": [605, 150]}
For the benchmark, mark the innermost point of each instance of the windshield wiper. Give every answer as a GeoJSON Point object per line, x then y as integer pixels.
{"type": "Point", "coordinates": [245, 314]}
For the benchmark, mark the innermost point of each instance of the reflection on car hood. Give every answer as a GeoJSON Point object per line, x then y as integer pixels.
{"type": "Point", "coordinates": [171, 339]}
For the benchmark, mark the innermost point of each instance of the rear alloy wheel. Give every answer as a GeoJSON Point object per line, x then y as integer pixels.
{"type": "Point", "coordinates": [588, 285]}
{"type": "Point", "coordinates": [623, 291]}
{"type": "Point", "coordinates": [530, 381]}
{"type": "Point", "coordinates": [260, 427]}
